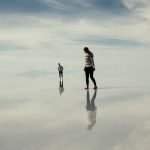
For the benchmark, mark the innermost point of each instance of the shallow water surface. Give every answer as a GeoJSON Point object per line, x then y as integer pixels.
{"type": "Point", "coordinates": [37, 114]}
{"type": "Point", "coordinates": [43, 118]}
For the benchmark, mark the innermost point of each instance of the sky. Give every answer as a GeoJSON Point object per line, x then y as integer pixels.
{"type": "Point", "coordinates": [27, 24]}
{"type": "Point", "coordinates": [36, 33]}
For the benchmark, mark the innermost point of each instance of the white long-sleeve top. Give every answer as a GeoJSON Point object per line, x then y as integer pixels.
{"type": "Point", "coordinates": [89, 60]}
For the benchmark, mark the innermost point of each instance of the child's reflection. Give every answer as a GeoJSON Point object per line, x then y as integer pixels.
{"type": "Point", "coordinates": [91, 110]}
{"type": "Point", "coordinates": [61, 87]}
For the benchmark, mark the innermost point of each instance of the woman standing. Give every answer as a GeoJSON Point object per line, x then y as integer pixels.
{"type": "Point", "coordinates": [89, 67]}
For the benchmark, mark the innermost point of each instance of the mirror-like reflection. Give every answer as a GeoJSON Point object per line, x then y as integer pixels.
{"type": "Point", "coordinates": [91, 109]}
{"type": "Point", "coordinates": [61, 87]}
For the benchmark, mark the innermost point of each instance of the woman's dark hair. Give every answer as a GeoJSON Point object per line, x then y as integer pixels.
{"type": "Point", "coordinates": [86, 50]}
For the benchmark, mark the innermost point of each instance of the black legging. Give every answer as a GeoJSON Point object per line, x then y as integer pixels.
{"type": "Point", "coordinates": [89, 72]}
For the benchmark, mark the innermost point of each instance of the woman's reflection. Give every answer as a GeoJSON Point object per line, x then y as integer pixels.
{"type": "Point", "coordinates": [91, 109]}
{"type": "Point", "coordinates": [61, 87]}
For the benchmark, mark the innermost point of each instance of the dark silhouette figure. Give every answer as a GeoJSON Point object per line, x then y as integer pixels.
{"type": "Point", "coordinates": [89, 67]}
{"type": "Point", "coordinates": [91, 109]}
{"type": "Point", "coordinates": [60, 70]}
{"type": "Point", "coordinates": [61, 87]}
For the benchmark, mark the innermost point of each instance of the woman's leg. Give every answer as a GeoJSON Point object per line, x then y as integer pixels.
{"type": "Point", "coordinates": [92, 78]}
{"type": "Point", "coordinates": [87, 77]}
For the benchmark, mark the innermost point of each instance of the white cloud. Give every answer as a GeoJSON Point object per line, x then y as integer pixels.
{"type": "Point", "coordinates": [42, 31]}
{"type": "Point", "coordinates": [140, 7]}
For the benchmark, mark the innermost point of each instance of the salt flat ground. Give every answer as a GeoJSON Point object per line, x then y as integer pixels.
{"type": "Point", "coordinates": [35, 116]}
{"type": "Point", "coordinates": [38, 117]}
